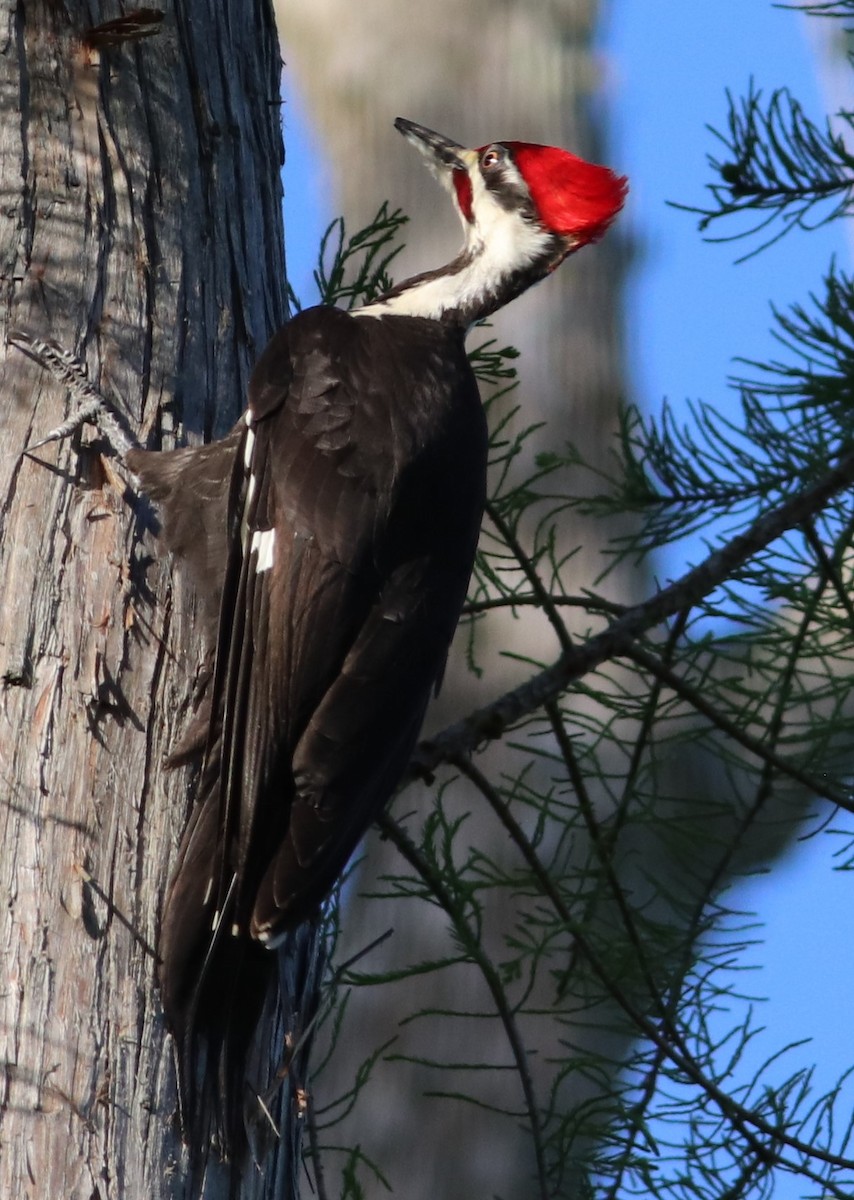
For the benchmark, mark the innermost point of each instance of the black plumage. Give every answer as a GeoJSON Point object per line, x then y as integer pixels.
{"type": "Point", "coordinates": [372, 483]}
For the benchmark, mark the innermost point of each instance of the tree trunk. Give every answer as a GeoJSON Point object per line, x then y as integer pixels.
{"type": "Point", "coordinates": [142, 230]}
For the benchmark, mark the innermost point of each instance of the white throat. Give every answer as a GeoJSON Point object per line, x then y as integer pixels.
{"type": "Point", "coordinates": [501, 246]}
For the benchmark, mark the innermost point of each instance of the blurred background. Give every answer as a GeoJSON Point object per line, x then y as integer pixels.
{"type": "Point", "coordinates": [653, 312]}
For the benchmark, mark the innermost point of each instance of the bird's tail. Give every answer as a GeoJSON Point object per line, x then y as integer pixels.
{"type": "Point", "coordinates": [213, 988]}
{"type": "Point", "coordinates": [235, 1009]}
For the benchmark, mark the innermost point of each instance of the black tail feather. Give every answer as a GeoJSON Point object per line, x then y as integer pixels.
{"type": "Point", "coordinates": [236, 1011]}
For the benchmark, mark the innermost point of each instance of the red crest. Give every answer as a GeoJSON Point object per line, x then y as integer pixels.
{"type": "Point", "coordinates": [574, 198]}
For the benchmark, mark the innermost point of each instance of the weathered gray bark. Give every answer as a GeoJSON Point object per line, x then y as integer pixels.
{"type": "Point", "coordinates": [141, 227]}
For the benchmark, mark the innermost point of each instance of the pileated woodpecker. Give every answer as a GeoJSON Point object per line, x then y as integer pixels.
{"type": "Point", "coordinates": [331, 537]}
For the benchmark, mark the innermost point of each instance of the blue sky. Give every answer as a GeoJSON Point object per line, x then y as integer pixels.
{"type": "Point", "coordinates": [307, 192]}
{"type": "Point", "coordinates": [690, 311]}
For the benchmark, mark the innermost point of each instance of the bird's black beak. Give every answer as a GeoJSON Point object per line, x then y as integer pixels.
{"type": "Point", "coordinates": [441, 153]}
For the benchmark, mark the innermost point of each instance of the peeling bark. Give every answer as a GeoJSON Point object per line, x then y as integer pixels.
{"type": "Point", "coordinates": [140, 227]}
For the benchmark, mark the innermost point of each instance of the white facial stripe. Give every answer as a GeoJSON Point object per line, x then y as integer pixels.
{"type": "Point", "coordinates": [501, 239]}
{"type": "Point", "coordinates": [264, 542]}
{"type": "Point", "coordinates": [500, 243]}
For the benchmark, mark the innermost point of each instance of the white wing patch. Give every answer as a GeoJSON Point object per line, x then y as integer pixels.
{"type": "Point", "coordinates": [271, 938]}
{"type": "Point", "coordinates": [264, 542]}
{"type": "Point", "coordinates": [248, 448]}
{"type": "Point", "coordinates": [248, 452]}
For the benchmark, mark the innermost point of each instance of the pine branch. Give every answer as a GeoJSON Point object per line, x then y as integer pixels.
{"type": "Point", "coordinates": [491, 722]}
{"type": "Point", "coordinates": [664, 1034]}
{"type": "Point", "coordinates": [779, 167]}
{"type": "Point", "coordinates": [472, 943]}
{"type": "Point", "coordinates": [824, 8]}
{"type": "Point", "coordinates": [355, 270]}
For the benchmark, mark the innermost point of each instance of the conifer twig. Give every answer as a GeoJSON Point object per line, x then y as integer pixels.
{"type": "Point", "coordinates": [490, 722]}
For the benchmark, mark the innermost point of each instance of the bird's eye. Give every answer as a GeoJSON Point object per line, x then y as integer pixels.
{"type": "Point", "coordinates": [492, 157]}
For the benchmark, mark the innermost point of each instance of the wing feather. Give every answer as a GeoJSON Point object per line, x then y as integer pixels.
{"type": "Point", "coordinates": [347, 539]}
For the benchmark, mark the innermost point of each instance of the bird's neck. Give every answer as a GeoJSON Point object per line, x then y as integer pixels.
{"type": "Point", "coordinates": [473, 286]}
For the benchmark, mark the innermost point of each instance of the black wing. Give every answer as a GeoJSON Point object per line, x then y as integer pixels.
{"type": "Point", "coordinates": [354, 502]}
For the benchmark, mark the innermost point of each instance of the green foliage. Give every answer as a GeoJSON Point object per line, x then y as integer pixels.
{"type": "Point", "coordinates": [583, 858]}
{"type": "Point", "coordinates": [796, 416]}
{"type": "Point", "coordinates": [354, 270]}
{"type": "Point", "coordinates": [780, 169]}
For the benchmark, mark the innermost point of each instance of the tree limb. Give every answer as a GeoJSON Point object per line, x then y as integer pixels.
{"type": "Point", "coordinates": [490, 722]}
